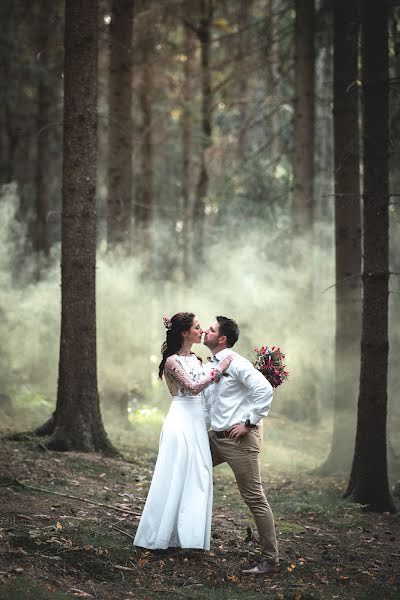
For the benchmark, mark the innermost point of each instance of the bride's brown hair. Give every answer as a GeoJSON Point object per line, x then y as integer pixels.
{"type": "Point", "coordinates": [179, 323]}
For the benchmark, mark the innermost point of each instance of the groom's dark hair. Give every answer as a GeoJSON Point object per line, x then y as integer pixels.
{"type": "Point", "coordinates": [230, 328]}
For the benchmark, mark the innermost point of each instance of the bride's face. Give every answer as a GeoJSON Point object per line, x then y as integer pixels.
{"type": "Point", "coordinates": [193, 335]}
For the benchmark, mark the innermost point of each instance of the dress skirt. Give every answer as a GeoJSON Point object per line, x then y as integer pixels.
{"type": "Point", "coordinates": [178, 508]}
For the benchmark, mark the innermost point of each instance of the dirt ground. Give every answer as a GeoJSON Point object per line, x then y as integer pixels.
{"type": "Point", "coordinates": [67, 523]}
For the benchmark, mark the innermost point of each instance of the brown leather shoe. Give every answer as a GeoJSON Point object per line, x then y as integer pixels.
{"type": "Point", "coordinates": [263, 568]}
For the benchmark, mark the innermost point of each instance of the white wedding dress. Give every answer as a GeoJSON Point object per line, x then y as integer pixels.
{"type": "Point", "coordinates": [179, 503]}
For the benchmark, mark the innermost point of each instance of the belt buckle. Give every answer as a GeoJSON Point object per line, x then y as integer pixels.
{"type": "Point", "coordinates": [222, 434]}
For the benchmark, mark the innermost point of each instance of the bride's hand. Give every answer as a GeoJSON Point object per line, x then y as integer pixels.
{"type": "Point", "coordinates": [224, 364]}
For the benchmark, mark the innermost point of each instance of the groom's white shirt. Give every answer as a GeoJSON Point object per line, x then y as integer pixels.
{"type": "Point", "coordinates": [243, 393]}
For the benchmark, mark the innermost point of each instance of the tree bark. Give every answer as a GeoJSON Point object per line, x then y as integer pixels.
{"type": "Point", "coordinates": [368, 483]}
{"type": "Point", "coordinates": [78, 423]}
{"type": "Point", "coordinates": [120, 139]}
{"type": "Point", "coordinates": [347, 233]}
{"type": "Point", "coordinates": [303, 200]}
{"type": "Point", "coordinates": [303, 133]}
{"type": "Point", "coordinates": [242, 76]}
{"type": "Point", "coordinates": [187, 151]}
{"type": "Point", "coordinates": [4, 76]}
{"type": "Point", "coordinates": [41, 242]}
{"type": "Point", "coordinates": [272, 69]}
{"type": "Point", "coordinates": [144, 212]}
{"type": "Point", "coordinates": [203, 31]}
{"type": "Point", "coordinates": [8, 119]}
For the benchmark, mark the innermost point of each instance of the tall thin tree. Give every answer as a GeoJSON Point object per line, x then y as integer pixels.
{"type": "Point", "coordinates": [45, 97]}
{"type": "Point", "coordinates": [144, 208]}
{"type": "Point", "coordinates": [77, 420]}
{"type": "Point", "coordinates": [303, 133]}
{"type": "Point", "coordinates": [243, 75]}
{"type": "Point", "coordinates": [303, 195]}
{"type": "Point", "coordinates": [189, 48]}
{"type": "Point", "coordinates": [120, 123]}
{"type": "Point", "coordinates": [347, 232]}
{"type": "Point", "coordinates": [204, 34]}
{"type": "Point", "coordinates": [272, 83]}
{"type": "Point", "coordinates": [369, 479]}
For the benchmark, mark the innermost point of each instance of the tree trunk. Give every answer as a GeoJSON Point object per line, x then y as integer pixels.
{"type": "Point", "coordinates": [303, 200]}
{"type": "Point", "coordinates": [272, 68]}
{"type": "Point", "coordinates": [41, 241]}
{"type": "Point", "coordinates": [144, 213]}
{"type": "Point", "coordinates": [347, 234]}
{"type": "Point", "coordinates": [206, 125]}
{"type": "Point", "coordinates": [369, 481]}
{"type": "Point", "coordinates": [242, 76]}
{"type": "Point", "coordinates": [78, 423]}
{"type": "Point", "coordinates": [41, 229]}
{"type": "Point", "coordinates": [303, 135]}
{"type": "Point", "coordinates": [4, 138]}
{"type": "Point", "coordinates": [8, 134]}
{"type": "Point", "coordinates": [120, 127]}
{"type": "Point", "coordinates": [187, 152]}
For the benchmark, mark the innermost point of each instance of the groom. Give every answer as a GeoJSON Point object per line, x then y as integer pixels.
{"type": "Point", "coordinates": [235, 408]}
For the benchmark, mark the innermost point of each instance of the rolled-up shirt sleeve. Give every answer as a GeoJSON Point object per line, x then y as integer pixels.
{"type": "Point", "coordinates": [260, 391]}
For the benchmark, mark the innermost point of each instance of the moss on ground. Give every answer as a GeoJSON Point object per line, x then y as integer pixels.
{"type": "Point", "coordinates": [21, 588]}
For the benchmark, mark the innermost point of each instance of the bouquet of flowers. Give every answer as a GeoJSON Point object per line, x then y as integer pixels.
{"type": "Point", "coordinates": [269, 361]}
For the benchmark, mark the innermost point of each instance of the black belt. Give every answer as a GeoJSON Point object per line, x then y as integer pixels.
{"type": "Point", "coordinates": [222, 434]}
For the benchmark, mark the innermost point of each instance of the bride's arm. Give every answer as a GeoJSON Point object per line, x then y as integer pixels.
{"type": "Point", "coordinates": [174, 368]}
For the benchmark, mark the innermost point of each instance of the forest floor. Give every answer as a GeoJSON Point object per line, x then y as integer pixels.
{"type": "Point", "coordinates": [67, 521]}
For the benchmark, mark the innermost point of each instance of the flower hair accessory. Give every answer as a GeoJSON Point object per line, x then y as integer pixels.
{"type": "Point", "coordinates": [167, 323]}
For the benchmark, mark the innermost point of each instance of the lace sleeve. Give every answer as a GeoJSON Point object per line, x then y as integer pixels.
{"type": "Point", "coordinates": [174, 368]}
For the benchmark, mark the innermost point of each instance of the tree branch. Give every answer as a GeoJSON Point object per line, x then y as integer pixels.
{"type": "Point", "coordinates": [22, 484]}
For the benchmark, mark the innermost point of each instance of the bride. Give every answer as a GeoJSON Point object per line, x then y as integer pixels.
{"type": "Point", "coordinates": [179, 503]}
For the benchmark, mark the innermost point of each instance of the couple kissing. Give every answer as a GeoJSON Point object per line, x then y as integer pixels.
{"type": "Point", "coordinates": [214, 417]}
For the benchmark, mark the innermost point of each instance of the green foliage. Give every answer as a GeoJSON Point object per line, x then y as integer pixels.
{"type": "Point", "coordinates": [22, 588]}
{"type": "Point", "coordinates": [23, 396]}
{"type": "Point", "coordinates": [318, 505]}
{"type": "Point", "coordinates": [289, 526]}
{"type": "Point", "coordinates": [30, 405]}
{"type": "Point", "coordinates": [147, 416]}
{"type": "Point", "coordinates": [92, 469]}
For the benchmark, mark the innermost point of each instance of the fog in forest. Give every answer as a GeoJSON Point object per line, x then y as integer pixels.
{"type": "Point", "coordinates": [244, 278]}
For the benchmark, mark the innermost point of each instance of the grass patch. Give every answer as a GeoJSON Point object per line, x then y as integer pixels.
{"type": "Point", "coordinates": [20, 588]}
{"type": "Point", "coordinates": [89, 546]}
{"type": "Point", "coordinates": [100, 536]}
{"type": "Point", "coordinates": [141, 456]}
{"type": "Point", "coordinates": [92, 469]}
{"type": "Point", "coordinates": [288, 459]}
{"type": "Point", "coordinates": [200, 591]}
{"type": "Point", "coordinates": [320, 505]}
{"type": "Point", "coordinates": [289, 527]}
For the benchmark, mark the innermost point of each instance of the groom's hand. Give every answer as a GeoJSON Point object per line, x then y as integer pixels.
{"type": "Point", "coordinates": [237, 430]}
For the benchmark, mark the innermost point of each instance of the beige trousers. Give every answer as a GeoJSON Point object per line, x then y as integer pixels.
{"type": "Point", "coordinates": [242, 456]}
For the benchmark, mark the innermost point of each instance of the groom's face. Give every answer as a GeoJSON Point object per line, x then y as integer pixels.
{"type": "Point", "coordinates": [212, 337]}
